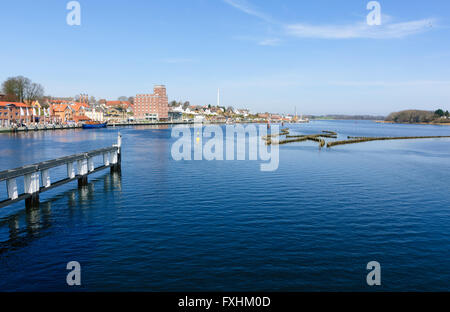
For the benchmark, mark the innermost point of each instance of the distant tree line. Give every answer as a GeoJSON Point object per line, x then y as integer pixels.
{"type": "Point", "coordinates": [180, 103]}
{"type": "Point", "coordinates": [418, 116]}
{"type": "Point", "coordinates": [126, 99]}
{"type": "Point", "coordinates": [22, 89]}
{"type": "Point", "coordinates": [346, 117]}
{"type": "Point", "coordinates": [440, 113]}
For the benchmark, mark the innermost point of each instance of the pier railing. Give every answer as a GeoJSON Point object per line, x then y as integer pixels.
{"type": "Point", "coordinates": [37, 178]}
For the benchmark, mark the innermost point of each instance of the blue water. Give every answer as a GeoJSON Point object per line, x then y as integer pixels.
{"type": "Point", "coordinates": [166, 225]}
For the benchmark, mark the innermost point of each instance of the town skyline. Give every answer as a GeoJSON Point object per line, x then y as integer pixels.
{"type": "Point", "coordinates": [273, 57]}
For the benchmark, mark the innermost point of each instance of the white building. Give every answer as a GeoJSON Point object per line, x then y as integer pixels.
{"type": "Point", "coordinates": [95, 114]}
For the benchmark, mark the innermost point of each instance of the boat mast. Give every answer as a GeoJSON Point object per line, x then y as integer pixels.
{"type": "Point", "coordinates": [218, 97]}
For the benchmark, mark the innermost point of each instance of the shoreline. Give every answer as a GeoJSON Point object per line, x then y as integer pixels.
{"type": "Point", "coordinates": [413, 123]}
{"type": "Point", "coordinates": [164, 123]}
{"type": "Point", "coordinates": [112, 125]}
{"type": "Point", "coordinates": [71, 127]}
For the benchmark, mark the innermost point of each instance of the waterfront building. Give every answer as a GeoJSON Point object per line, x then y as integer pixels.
{"type": "Point", "coordinates": [59, 101]}
{"type": "Point", "coordinates": [263, 116]}
{"type": "Point", "coordinates": [176, 113]}
{"type": "Point", "coordinates": [79, 108]}
{"type": "Point", "coordinates": [199, 119]}
{"type": "Point", "coordinates": [15, 113]}
{"type": "Point", "coordinates": [36, 105]}
{"type": "Point", "coordinates": [115, 113]}
{"type": "Point", "coordinates": [95, 114]}
{"type": "Point", "coordinates": [79, 112]}
{"type": "Point", "coordinates": [62, 112]}
{"type": "Point", "coordinates": [276, 118]}
{"type": "Point", "coordinates": [152, 106]}
{"type": "Point", "coordinates": [244, 112]}
{"type": "Point", "coordinates": [189, 111]}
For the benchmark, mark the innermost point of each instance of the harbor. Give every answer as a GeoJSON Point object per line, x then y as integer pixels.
{"type": "Point", "coordinates": [160, 223]}
{"type": "Point", "coordinates": [229, 155]}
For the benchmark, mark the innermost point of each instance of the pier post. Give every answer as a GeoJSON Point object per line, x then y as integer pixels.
{"type": "Point", "coordinates": [119, 149]}
{"type": "Point", "coordinates": [31, 186]}
{"type": "Point", "coordinates": [82, 166]}
{"type": "Point", "coordinates": [13, 192]}
{"type": "Point", "coordinates": [106, 159]}
{"type": "Point", "coordinates": [70, 170]}
{"type": "Point", "coordinates": [45, 177]}
{"type": "Point", "coordinates": [117, 156]}
{"type": "Point", "coordinates": [91, 164]}
{"type": "Point", "coordinates": [82, 181]}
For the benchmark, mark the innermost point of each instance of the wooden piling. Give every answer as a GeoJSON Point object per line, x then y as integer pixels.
{"type": "Point", "coordinates": [32, 201]}
{"type": "Point", "coordinates": [369, 139]}
{"type": "Point", "coordinates": [82, 181]}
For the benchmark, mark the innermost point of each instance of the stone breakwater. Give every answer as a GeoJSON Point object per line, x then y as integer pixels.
{"type": "Point", "coordinates": [273, 139]}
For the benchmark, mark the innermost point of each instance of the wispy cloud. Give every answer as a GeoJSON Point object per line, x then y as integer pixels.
{"type": "Point", "coordinates": [245, 7]}
{"type": "Point", "coordinates": [360, 30]}
{"type": "Point", "coordinates": [270, 42]}
{"type": "Point", "coordinates": [388, 30]}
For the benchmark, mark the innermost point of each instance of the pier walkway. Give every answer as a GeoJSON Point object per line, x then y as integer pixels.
{"type": "Point", "coordinates": [37, 177]}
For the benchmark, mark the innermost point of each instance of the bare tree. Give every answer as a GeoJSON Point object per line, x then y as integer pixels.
{"type": "Point", "coordinates": [34, 92]}
{"type": "Point", "coordinates": [22, 89]}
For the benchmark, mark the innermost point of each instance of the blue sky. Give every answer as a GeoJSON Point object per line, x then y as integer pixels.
{"type": "Point", "coordinates": [319, 56]}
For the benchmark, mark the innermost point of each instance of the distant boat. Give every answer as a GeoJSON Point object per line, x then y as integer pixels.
{"type": "Point", "coordinates": [301, 120]}
{"type": "Point", "coordinates": [93, 125]}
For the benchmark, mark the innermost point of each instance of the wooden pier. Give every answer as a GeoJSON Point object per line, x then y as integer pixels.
{"type": "Point", "coordinates": [37, 177]}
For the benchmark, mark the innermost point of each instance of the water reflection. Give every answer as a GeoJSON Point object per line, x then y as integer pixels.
{"type": "Point", "coordinates": [64, 133]}
{"type": "Point", "coordinates": [157, 127]}
{"type": "Point", "coordinates": [13, 227]}
{"type": "Point", "coordinates": [112, 181]}
{"type": "Point", "coordinates": [27, 224]}
{"type": "Point", "coordinates": [24, 226]}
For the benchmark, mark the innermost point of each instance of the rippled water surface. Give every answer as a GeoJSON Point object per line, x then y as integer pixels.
{"type": "Point", "coordinates": [313, 224]}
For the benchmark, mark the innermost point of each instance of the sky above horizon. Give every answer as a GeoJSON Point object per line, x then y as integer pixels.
{"type": "Point", "coordinates": [318, 56]}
